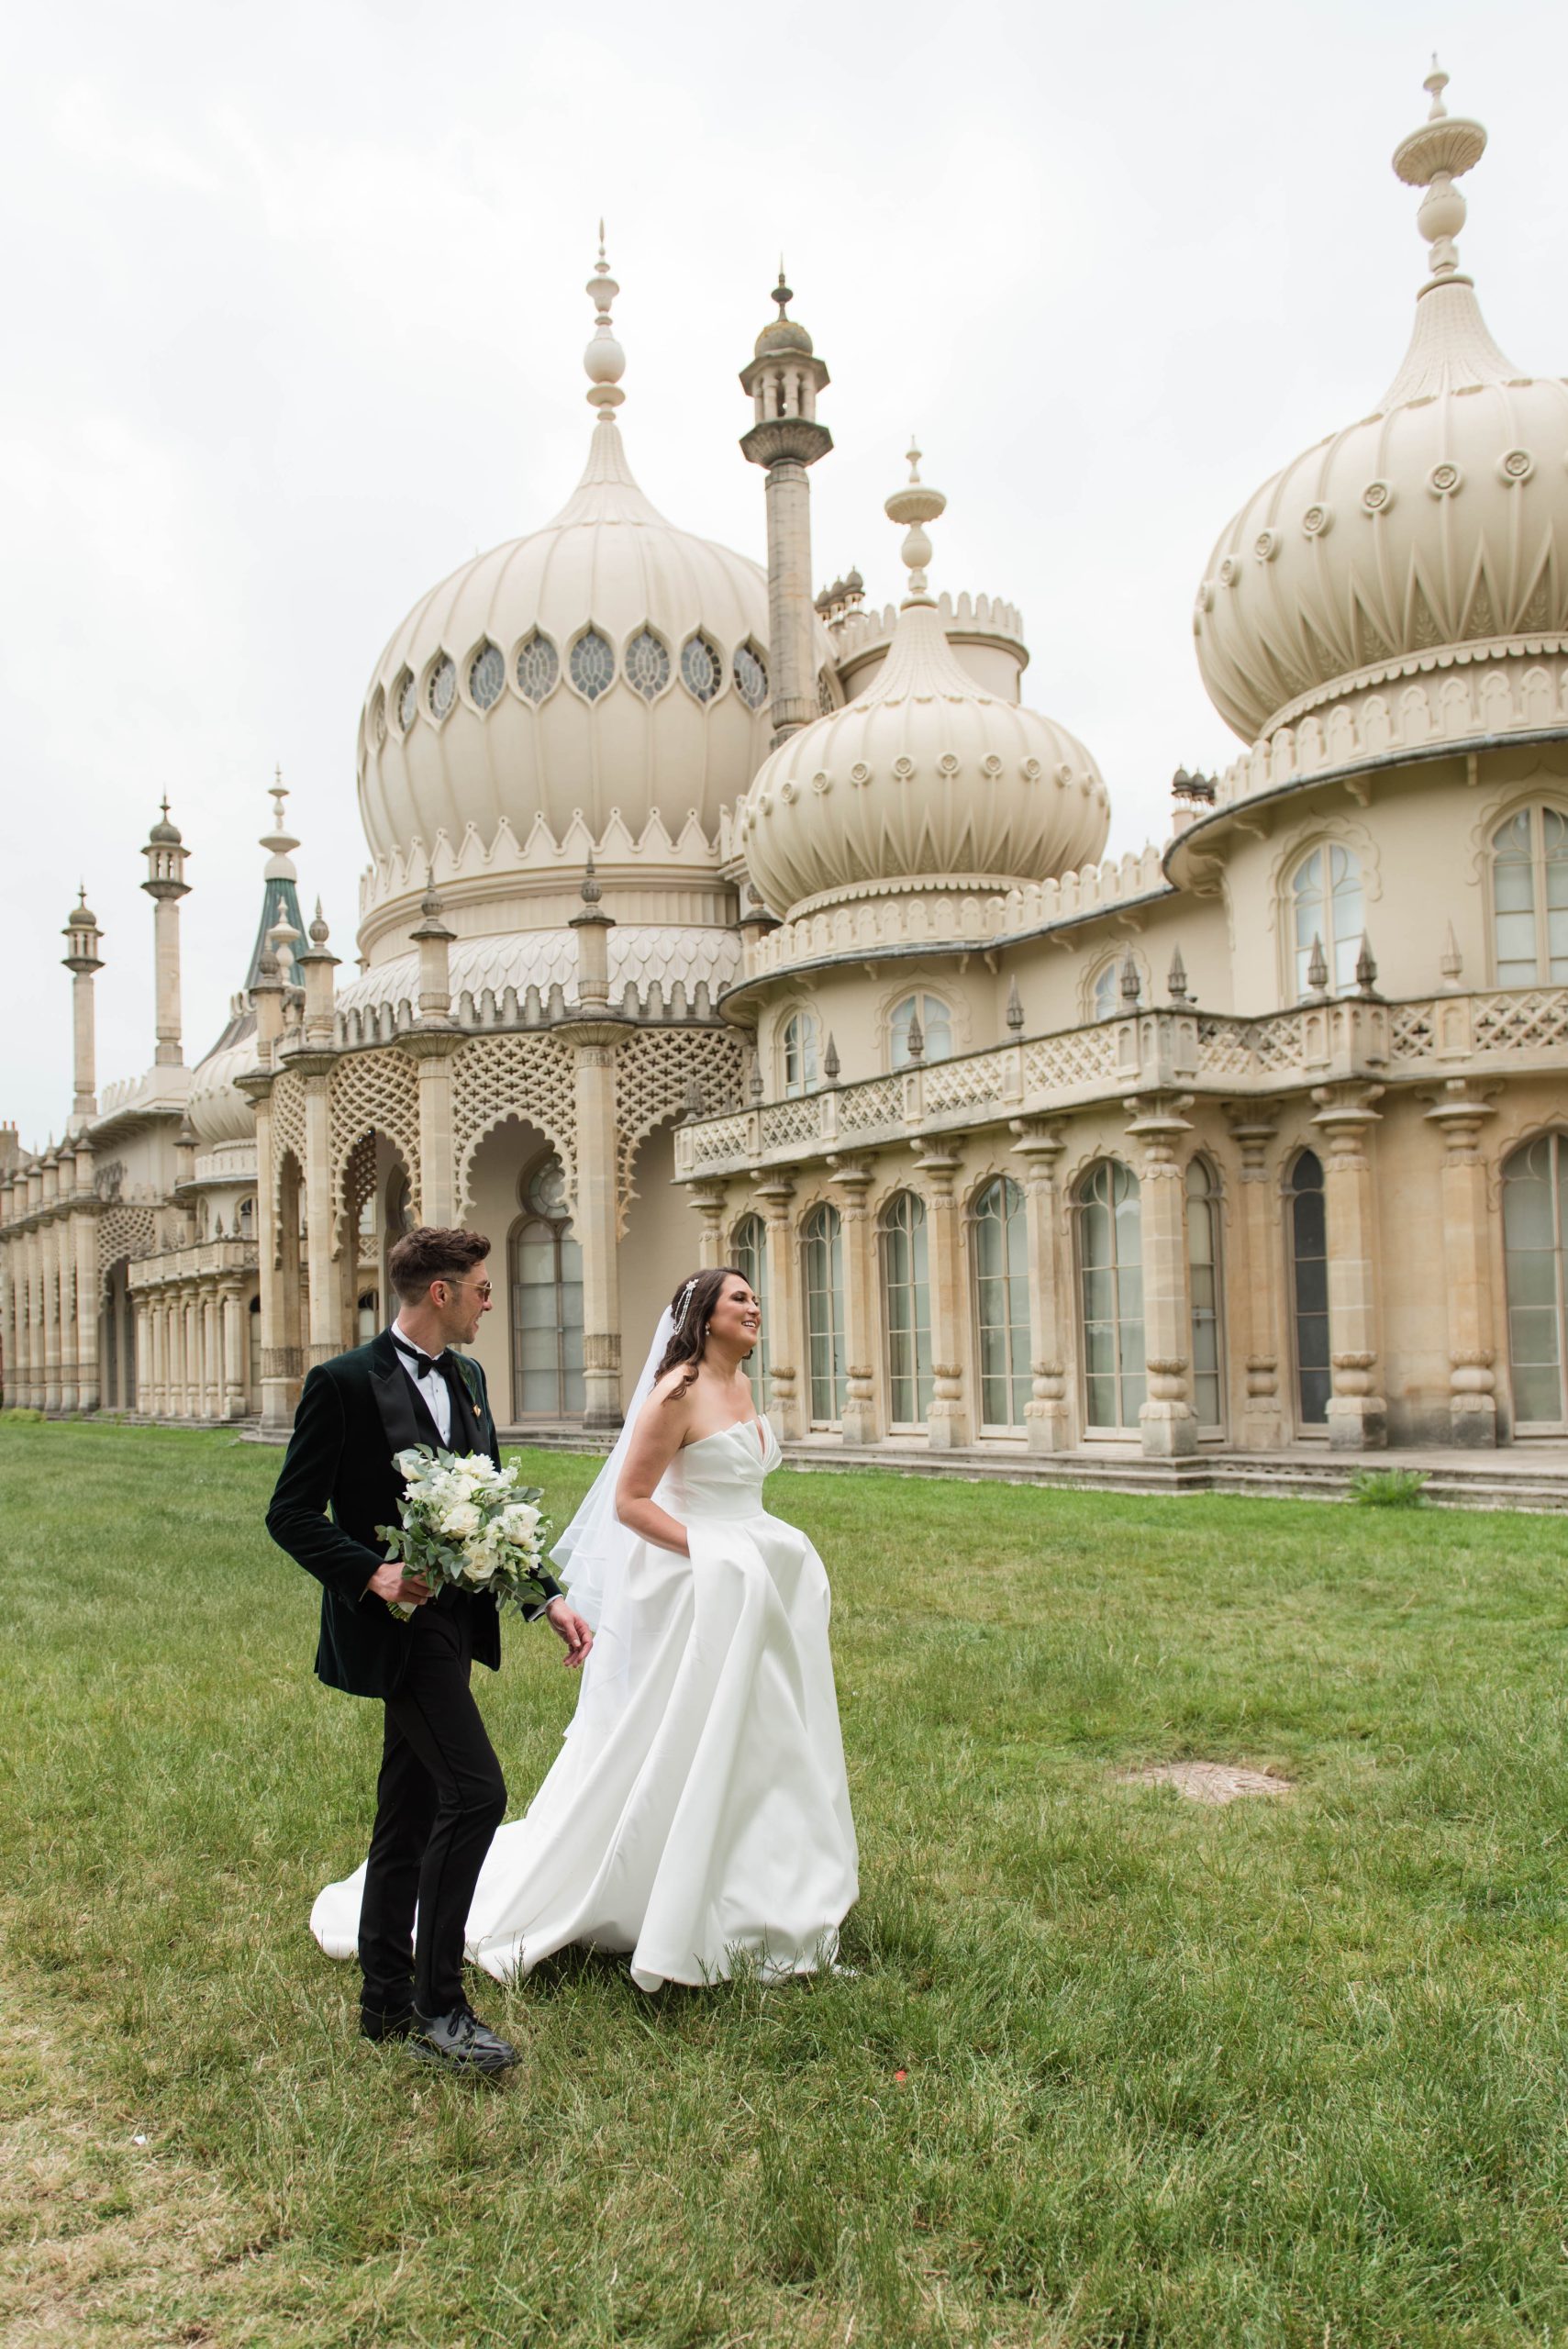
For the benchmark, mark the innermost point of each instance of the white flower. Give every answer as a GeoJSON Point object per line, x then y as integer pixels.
{"type": "Point", "coordinates": [518, 1519]}
{"type": "Point", "coordinates": [461, 1519]}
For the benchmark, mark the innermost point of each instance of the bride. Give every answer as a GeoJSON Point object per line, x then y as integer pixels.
{"type": "Point", "coordinates": [699, 1806]}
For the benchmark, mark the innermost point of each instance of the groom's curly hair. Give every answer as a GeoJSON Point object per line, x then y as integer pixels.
{"type": "Point", "coordinates": [430, 1253]}
{"type": "Point", "coordinates": [692, 1306]}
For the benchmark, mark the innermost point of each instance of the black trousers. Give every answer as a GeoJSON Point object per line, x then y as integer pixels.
{"type": "Point", "coordinates": [440, 1799]}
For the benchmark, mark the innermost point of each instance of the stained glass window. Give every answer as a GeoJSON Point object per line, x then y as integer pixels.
{"type": "Point", "coordinates": [592, 665]}
{"type": "Point", "coordinates": [408, 700]}
{"type": "Point", "coordinates": [700, 671]}
{"type": "Point", "coordinates": [751, 676]}
{"type": "Point", "coordinates": [537, 668]}
{"type": "Point", "coordinates": [646, 665]}
{"type": "Point", "coordinates": [443, 686]}
{"type": "Point", "coordinates": [486, 675]}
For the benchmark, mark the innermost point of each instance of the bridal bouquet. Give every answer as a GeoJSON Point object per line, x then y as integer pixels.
{"type": "Point", "coordinates": [466, 1521]}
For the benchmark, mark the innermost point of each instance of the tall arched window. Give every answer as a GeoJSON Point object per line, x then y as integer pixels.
{"type": "Point", "coordinates": [748, 1254]}
{"type": "Point", "coordinates": [1535, 1215]}
{"type": "Point", "coordinates": [799, 1054]}
{"type": "Point", "coordinates": [1328, 906]}
{"type": "Point", "coordinates": [1529, 899]}
{"type": "Point", "coordinates": [1110, 1261]}
{"type": "Point", "coordinates": [822, 1251]}
{"type": "Point", "coordinates": [1309, 1289]}
{"type": "Point", "coordinates": [1203, 1274]}
{"type": "Point", "coordinates": [936, 1029]}
{"type": "Point", "coordinates": [1105, 991]}
{"type": "Point", "coordinates": [906, 1308]}
{"type": "Point", "coordinates": [545, 1264]}
{"type": "Point", "coordinates": [1000, 1256]}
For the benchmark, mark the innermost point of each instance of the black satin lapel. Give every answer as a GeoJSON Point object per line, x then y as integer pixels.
{"type": "Point", "coordinates": [404, 1417]}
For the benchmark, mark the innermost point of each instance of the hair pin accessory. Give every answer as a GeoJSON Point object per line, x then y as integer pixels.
{"type": "Point", "coordinates": [679, 1323]}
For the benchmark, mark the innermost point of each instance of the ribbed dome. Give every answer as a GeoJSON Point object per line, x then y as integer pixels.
{"type": "Point", "coordinates": [925, 780]}
{"type": "Point", "coordinates": [216, 1111]}
{"type": "Point", "coordinates": [1438, 521]}
{"type": "Point", "coordinates": [606, 661]}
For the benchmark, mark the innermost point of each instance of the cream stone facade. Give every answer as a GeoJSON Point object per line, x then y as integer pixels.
{"type": "Point", "coordinates": [703, 916]}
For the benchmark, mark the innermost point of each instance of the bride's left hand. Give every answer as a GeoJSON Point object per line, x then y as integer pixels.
{"type": "Point", "coordinates": [570, 1627]}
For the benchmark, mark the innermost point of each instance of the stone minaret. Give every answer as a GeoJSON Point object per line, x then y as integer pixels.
{"type": "Point", "coordinates": [166, 884]}
{"type": "Point", "coordinates": [82, 958]}
{"type": "Point", "coordinates": [784, 379]}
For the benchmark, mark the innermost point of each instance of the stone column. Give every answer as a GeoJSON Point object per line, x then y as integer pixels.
{"type": "Point", "coordinates": [52, 1302]}
{"type": "Point", "coordinates": [195, 1367]}
{"type": "Point", "coordinates": [8, 1322]}
{"type": "Point", "coordinates": [166, 884]}
{"type": "Point", "coordinates": [786, 1346]}
{"type": "Point", "coordinates": [1467, 1268]}
{"type": "Point", "coordinates": [595, 1214]}
{"type": "Point", "coordinates": [37, 1339]}
{"type": "Point", "coordinates": [84, 1231]}
{"type": "Point", "coordinates": [1253, 1301]}
{"type": "Point", "coordinates": [862, 1418]}
{"type": "Point", "coordinates": [235, 1367]}
{"type": "Point", "coordinates": [948, 1422]}
{"type": "Point", "coordinates": [326, 1334]}
{"type": "Point", "coordinates": [65, 1260]}
{"type": "Point", "coordinates": [708, 1200]}
{"type": "Point", "coordinates": [142, 1352]}
{"type": "Point", "coordinates": [1167, 1418]}
{"type": "Point", "coordinates": [1358, 1416]}
{"type": "Point", "coordinates": [1040, 1146]}
{"type": "Point", "coordinates": [784, 379]}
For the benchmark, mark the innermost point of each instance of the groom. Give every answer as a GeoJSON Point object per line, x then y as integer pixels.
{"type": "Point", "coordinates": [441, 1796]}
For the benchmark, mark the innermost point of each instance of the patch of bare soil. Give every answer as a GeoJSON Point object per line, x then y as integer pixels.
{"type": "Point", "coordinates": [1211, 1782]}
{"type": "Point", "coordinates": [103, 2237]}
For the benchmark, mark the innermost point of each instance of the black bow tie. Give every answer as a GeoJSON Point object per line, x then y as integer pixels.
{"type": "Point", "coordinates": [424, 1363]}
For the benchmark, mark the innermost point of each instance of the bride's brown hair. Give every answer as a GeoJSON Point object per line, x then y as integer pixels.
{"type": "Point", "coordinates": [692, 1309]}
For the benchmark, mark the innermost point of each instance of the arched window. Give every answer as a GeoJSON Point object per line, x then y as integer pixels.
{"type": "Point", "coordinates": [1105, 991]}
{"type": "Point", "coordinates": [1309, 1289]}
{"type": "Point", "coordinates": [545, 1264]}
{"type": "Point", "coordinates": [591, 664]}
{"type": "Point", "coordinates": [1535, 1213]}
{"type": "Point", "coordinates": [488, 676]}
{"type": "Point", "coordinates": [935, 1022]}
{"type": "Point", "coordinates": [799, 1054]}
{"type": "Point", "coordinates": [538, 667]}
{"type": "Point", "coordinates": [1203, 1274]}
{"type": "Point", "coordinates": [822, 1251]}
{"type": "Point", "coordinates": [646, 665]}
{"type": "Point", "coordinates": [1110, 1260]}
{"type": "Point", "coordinates": [748, 1254]}
{"type": "Point", "coordinates": [751, 673]}
{"type": "Point", "coordinates": [245, 1220]}
{"type": "Point", "coordinates": [1328, 907]}
{"type": "Point", "coordinates": [1001, 1302]}
{"type": "Point", "coordinates": [1529, 899]}
{"type": "Point", "coordinates": [906, 1308]}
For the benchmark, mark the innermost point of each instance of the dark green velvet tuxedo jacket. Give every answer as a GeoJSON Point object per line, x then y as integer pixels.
{"type": "Point", "coordinates": [355, 1413]}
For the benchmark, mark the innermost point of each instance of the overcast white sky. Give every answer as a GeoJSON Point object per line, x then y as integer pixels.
{"type": "Point", "coordinates": [295, 314]}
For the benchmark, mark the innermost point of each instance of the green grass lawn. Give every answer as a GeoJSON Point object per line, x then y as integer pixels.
{"type": "Point", "coordinates": [1116, 2069]}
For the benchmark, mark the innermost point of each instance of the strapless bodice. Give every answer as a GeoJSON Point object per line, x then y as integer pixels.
{"type": "Point", "coordinates": [720, 1475]}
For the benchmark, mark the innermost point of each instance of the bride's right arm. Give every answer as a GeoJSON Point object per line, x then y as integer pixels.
{"type": "Point", "coordinates": [661, 1425]}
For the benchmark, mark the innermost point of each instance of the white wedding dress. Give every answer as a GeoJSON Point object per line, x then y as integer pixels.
{"type": "Point", "coordinates": [698, 1807]}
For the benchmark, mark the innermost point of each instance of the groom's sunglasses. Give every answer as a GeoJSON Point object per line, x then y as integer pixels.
{"type": "Point", "coordinates": [482, 1290]}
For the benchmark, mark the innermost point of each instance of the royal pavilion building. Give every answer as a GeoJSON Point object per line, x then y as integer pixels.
{"type": "Point", "coordinates": [706, 916]}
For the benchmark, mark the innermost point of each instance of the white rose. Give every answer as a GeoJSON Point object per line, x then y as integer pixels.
{"type": "Point", "coordinates": [519, 1518]}
{"type": "Point", "coordinates": [461, 1519]}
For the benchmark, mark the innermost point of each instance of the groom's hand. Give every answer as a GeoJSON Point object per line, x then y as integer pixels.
{"type": "Point", "coordinates": [399, 1589]}
{"type": "Point", "coordinates": [570, 1628]}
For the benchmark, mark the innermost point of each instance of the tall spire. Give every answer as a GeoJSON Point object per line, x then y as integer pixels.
{"type": "Point", "coordinates": [1451, 346]}
{"type": "Point", "coordinates": [604, 359]}
{"type": "Point", "coordinates": [280, 881]}
{"type": "Point", "coordinates": [917, 504]}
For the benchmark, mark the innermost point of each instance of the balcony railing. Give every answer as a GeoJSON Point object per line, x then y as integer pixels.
{"type": "Point", "coordinates": [1172, 1049]}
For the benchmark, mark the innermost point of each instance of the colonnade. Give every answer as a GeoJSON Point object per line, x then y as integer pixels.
{"type": "Point", "coordinates": [50, 1294]}
{"type": "Point", "coordinates": [193, 1331]}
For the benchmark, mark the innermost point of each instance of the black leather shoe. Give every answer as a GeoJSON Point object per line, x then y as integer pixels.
{"type": "Point", "coordinates": [460, 2042]}
{"type": "Point", "coordinates": [386, 2022]}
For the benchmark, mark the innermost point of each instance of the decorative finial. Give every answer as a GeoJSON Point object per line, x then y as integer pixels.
{"type": "Point", "coordinates": [319, 933]}
{"type": "Point", "coordinates": [915, 1041]}
{"type": "Point", "coordinates": [279, 792]}
{"type": "Point", "coordinates": [590, 891]}
{"type": "Point", "coordinates": [1433, 157]}
{"type": "Point", "coordinates": [916, 504]}
{"type": "Point", "coordinates": [1366, 968]}
{"type": "Point", "coordinates": [1131, 979]}
{"type": "Point", "coordinates": [783, 295]}
{"type": "Point", "coordinates": [1015, 1007]}
{"type": "Point", "coordinates": [1316, 968]}
{"type": "Point", "coordinates": [164, 804]}
{"type": "Point", "coordinates": [1451, 962]}
{"type": "Point", "coordinates": [830, 1060]}
{"type": "Point", "coordinates": [604, 359]}
{"type": "Point", "coordinates": [1176, 977]}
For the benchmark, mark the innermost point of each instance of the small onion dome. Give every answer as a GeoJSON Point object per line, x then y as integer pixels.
{"type": "Point", "coordinates": [82, 916]}
{"type": "Point", "coordinates": [216, 1110]}
{"type": "Point", "coordinates": [165, 833]}
{"type": "Point", "coordinates": [1438, 521]}
{"type": "Point", "coordinates": [782, 333]}
{"type": "Point", "coordinates": [924, 781]}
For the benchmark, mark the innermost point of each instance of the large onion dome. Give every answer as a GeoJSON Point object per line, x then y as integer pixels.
{"type": "Point", "coordinates": [924, 782]}
{"type": "Point", "coordinates": [607, 662]}
{"type": "Point", "coordinates": [1429, 535]}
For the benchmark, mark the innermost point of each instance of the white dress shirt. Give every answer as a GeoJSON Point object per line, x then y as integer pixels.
{"type": "Point", "coordinates": [431, 1388]}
